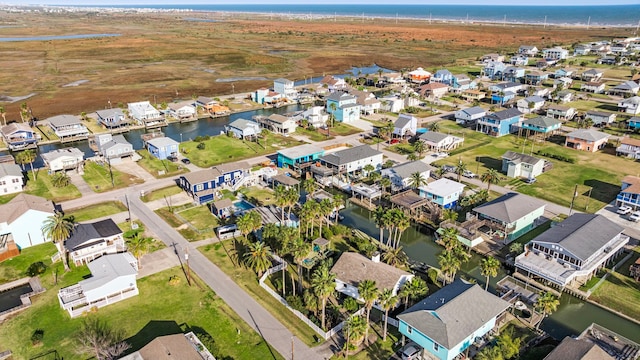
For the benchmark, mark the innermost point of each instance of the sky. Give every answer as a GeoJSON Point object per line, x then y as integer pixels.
{"type": "Point", "coordinates": [232, 2]}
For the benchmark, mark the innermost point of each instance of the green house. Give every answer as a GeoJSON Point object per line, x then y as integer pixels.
{"type": "Point", "coordinates": [511, 215]}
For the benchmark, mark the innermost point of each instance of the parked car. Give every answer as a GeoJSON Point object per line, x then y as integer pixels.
{"type": "Point", "coordinates": [411, 351]}
{"type": "Point", "coordinates": [635, 216]}
{"type": "Point", "coordinates": [441, 155]}
{"type": "Point", "coordinates": [394, 141]}
{"type": "Point", "coordinates": [449, 168]}
{"type": "Point", "coordinates": [186, 161]}
{"type": "Point", "coordinates": [530, 180]}
{"type": "Point", "coordinates": [469, 174]}
{"type": "Point", "coordinates": [172, 158]}
{"type": "Point", "coordinates": [624, 210]}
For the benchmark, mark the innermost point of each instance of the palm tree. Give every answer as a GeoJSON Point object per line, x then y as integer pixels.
{"type": "Point", "coordinates": [332, 116]}
{"type": "Point", "coordinates": [138, 245]}
{"type": "Point", "coordinates": [258, 257]}
{"type": "Point", "coordinates": [292, 195]}
{"type": "Point", "coordinates": [449, 264]}
{"type": "Point", "coordinates": [326, 208]}
{"type": "Point", "coordinates": [385, 182]}
{"type": "Point", "coordinates": [245, 224]}
{"type": "Point", "coordinates": [460, 169]}
{"type": "Point", "coordinates": [310, 186]}
{"type": "Point", "coordinates": [449, 238]}
{"type": "Point", "coordinates": [395, 256]}
{"type": "Point", "coordinates": [58, 229]}
{"type": "Point", "coordinates": [60, 179]}
{"type": "Point", "coordinates": [490, 267]}
{"type": "Point", "coordinates": [4, 115]}
{"type": "Point", "coordinates": [492, 176]}
{"type": "Point", "coordinates": [280, 193]}
{"type": "Point", "coordinates": [441, 171]}
{"type": "Point", "coordinates": [323, 285]}
{"type": "Point", "coordinates": [299, 249]}
{"type": "Point", "coordinates": [420, 147]}
{"type": "Point", "coordinates": [368, 168]}
{"type": "Point", "coordinates": [374, 176]}
{"type": "Point", "coordinates": [355, 329]}
{"type": "Point", "coordinates": [388, 301]}
{"type": "Point", "coordinates": [413, 289]}
{"type": "Point", "coordinates": [379, 219]}
{"type": "Point", "coordinates": [417, 179]}
{"type": "Point", "coordinates": [412, 157]}
{"type": "Point", "coordinates": [402, 223]}
{"type": "Point", "coordinates": [369, 293]}
{"type": "Point", "coordinates": [449, 214]}
{"type": "Point", "coordinates": [489, 353]}
{"type": "Point", "coordinates": [546, 304]}
{"type": "Point", "coordinates": [27, 157]}
{"type": "Point", "coordinates": [435, 126]}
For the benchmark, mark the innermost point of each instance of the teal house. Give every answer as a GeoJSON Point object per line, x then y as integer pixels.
{"type": "Point", "coordinates": [541, 124]}
{"type": "Point", "coordinates": [295, 157]}
{"type": "Point", "coordinates": [452, 319]}
{"type": "Point", "coordinates": [343, 106]}
{"type": "Point", "coordinates": [511, 215]}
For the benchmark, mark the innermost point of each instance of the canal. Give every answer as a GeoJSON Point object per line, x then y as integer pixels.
{"type": "Point", "coordinates": [571, 318]}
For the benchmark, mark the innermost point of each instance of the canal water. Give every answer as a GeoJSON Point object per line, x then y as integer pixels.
{"type": "Point", "coordinates": [571, 318]}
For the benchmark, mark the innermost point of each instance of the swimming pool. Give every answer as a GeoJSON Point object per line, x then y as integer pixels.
{"type": "Point", "coordinates": [242, 205]}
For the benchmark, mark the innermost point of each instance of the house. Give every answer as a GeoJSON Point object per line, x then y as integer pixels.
{"type": "Point", "coordinates": [450, 320]}
{"type": "Point", "coordinates": [562, 82]}
{"type": "Point", "coordinates": [343, 107]}
{"type": "Point", "coordinates": [352, 268]}
{"type": "Point", "coordinates": [610, 60]}
{"type": "Point", "coordinates": [519, 60]}
{"type": "Point", "coordinates": [626, 88]}
{"type": "Point", "coordinates": [19, 136]}
{"type": "Point", "coordinates": [285, 87]}
{"type": "Point", "coordinates": [591, 75]}
{"type": "Point", "coordinates": [405, 126]}
{"type": "Point", "coordinates": [353, 159]}
{"type": "Point", "coordinates": [492, 57]}
{"type": "Point", "coordinates": [392, 103]}
{"type": "Point", "coordinates": [316, 116]}
{"type": "Point", "coordinates": [90, 241]}
{"type": "Point", "coordinates": [473, 95]}
{"type": "Point", "coordinates": [517, 165]}
{"type": "Point", "coordinates": [222, 208]}
{"type": "Point", "coordinates": [11, 178]}
{"type": "Point", "coordinates": [634, 122]}
{"type": "Point", "coordinates": [581, 50]}
{"type": "Point", "coordinates": [433, 90]}
{"type": "Point", "coordinates": [576, 349]}
{"type": "Point", "coordinates": [333, 83]}
{"type": "Point", "coordinates": [545, 63]}
{"type": "Point", "coordinates": [630, 105]}
{"type": "Point", "coordinates": [183, 110]}
{"type": "Point", "coordinates": [535, 77]}
{"type": "Point", "coordinates": [571, 252]}
{"type": "Point", "coordinates": [367, 101]}
{"type": "Point", "coordinates": [511, 215]}
{"type": "Point", "coordinates": [528, 50]}
{"type": "Point", "coordinates": [260, 96]}
{"type": "Point", "coordinates": [600, 117]}
{"type": "Point", "coordinates": [586, 140]}
{"type": "Point", "coordinates": [441, 142]}
{"type": "Point", "coordinates": [22, 218]}
{"type": "Point", "coordinates": [556, 53]}
{"type": "Point", "coordinates": [112, 118]}
{"type": "Point", "coordinates": [563, 96]}
{"type": "Point", "coordinates": [243, 129]}
{"type": "Point", "coordinates": [211, 106]}
{"type": "Point", "coordinates": [469, 115]}
{"type": "Point", "coordinates": [68, 127]}
{"type": "Point", "coordinates": [541, 124]}
{"type": "Point", "coordinates": [493, 69]}
{"type": "Point", "coordinates": [629, 194]}
{"type": "Point", "coordinates": [113, 279]}
{"type": "Point", "coordinates": [564, 72]}
{"type": "Point", "coordinates": [502, 97]}
{"type": "Point", "coordinates": [561, 112]}
{"type": "Point", "coordinates": [505, 87]}
{"type": "Point", "coordinates": [400, 175]}
{"type": "Point", "coordinates": [281, 124]}
{"type": "Point", "coordinates": [113, 147]}
{"type": "Point", "coordinates": [162, 147]}
{"type": "Point", "coordinates": [593, 87]}
{"type": "Point", "coordinates": [530, 104]}
{"type": "Point", "coordinates": [298, 157]}
{"type": "Point", "coordinates": [443, 76]}
{"type": "Point", "coordinates": [443, 192]}
{"type": "Point", "coordinates": [63, 159]}
{"type": "Point", "coordinates": [629, 147]}
{"type": "Point", "coordinates": [537, 91]}
{"type": "Point", "coordinates": [170, 347]}
{"type": "Point", "coordinates": [144, 113]}
{"type": "Point", "coordinates": [419, 75]}
{"type": "Point", "coordinates": [501, 123]}
{"type": "Point", "coordinates": [512, 74]}
{"type": "Point", "coordinates": [204, 184]}
{"type": "Point", "coordinates": [462, 82]}
{"type": "Point", "coordinates": [393, 78]}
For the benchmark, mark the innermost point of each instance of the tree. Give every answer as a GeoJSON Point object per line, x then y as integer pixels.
{"type": "Point", "coordinates": [420, 147]}
{"type": "Point", "coordinates": [492, 176]}
{"type": "Point", "coordinates": [435, 126]}
{"type": "Point", "coordinates": [449, 264]}
{"type": "Point", "coordinates": [413, 157]}
{"type": "Point", "coordinates": [98, 338]}
{"type": "Point", "coordinates": [516, 248]}
{"type": "Point", "coordinates": [310, 186]}
{"type": "Point", "coordinates": [369, 293]}
{"type": "Point", "coordinates": [368, 168]}
{"type": "Point", "coordinates": [245, 224]}
{"type": "Point", "coordinates": [280, 193]}
{"type": "Point", "coordinates": [385, 183]}
{"type": "Point", "coordinates": [4, 115]}
{"type": "Point", "coordinates": [57, 228]}
{"type": "Point", "coordinates": [323, 285]}
{"type": "Point", "coordinates": [546, 304]}
{"type": "Point", "coordinates": [413, 289]}
{"type": "Point", "coordinates": [441, 171]}
{"type": "Point", "coordinates": [508, 345]}
{"type": "Point", "coordinates": [138, 245]}
{"type": "Point", "coordinates": [299, 249]}
{"type": "Point", "coordinates": [490, 267]}
{"type": "Point", "coordinates": [380, 217]}
{"type": "Point", "coordinates": [325, 209]}
{"type": "Point", "coordinates": [395, 257]}
{"type": "Point", "coordinates": [388, 301]}
{"type": "Point", "coordinates": [417, 179]}
{"type": "Point", "coordinates": [460, 169]}
{"type": "Point", "coordinates": [489, 353]}
{"type": "Point", "coordinates": [374, 176]}
{"type": "Point", "coordinates": [449, 214]}
{"type": "Point", "coordinates": [60, 179]}
{"type": "Point", "coordinates": [258, 257]}
{"type": "Point", "coordinates": [355, 329]}
{"type": "Point", "coordinates": [27, 157]}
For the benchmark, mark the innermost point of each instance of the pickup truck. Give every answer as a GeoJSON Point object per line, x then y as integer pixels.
{"type": "Point", "coordinates": [623, 210]}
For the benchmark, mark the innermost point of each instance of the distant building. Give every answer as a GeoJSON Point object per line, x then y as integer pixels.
{"type": "Point", "coordinates": [112, 118]}
{"type": "Point", "coordinates": [343, 107]}
{"type": "Point", "coordinates": [68, 127]}
{"type": "Point", "coordinates": [286, 88]}
{"type": "Point", "coordinates": [586, 140]}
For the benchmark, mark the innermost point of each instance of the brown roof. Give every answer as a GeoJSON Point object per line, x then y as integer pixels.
{"type": "Point", "coordinates": [634, 188]}
{"type": "Point", "coordinates": [352, 268]}
{"type": "Point", "coordinates": [630, 141]}
{"type": "Point", "coordinates": [285, 180]}
{"type": "Point", "coordinates": [223, 203]}
{"type": "Point", "coordinates": [20, 204]}
{"type": "Point", "coordinates": [13, 127]}
{"type": "Point", "coordinates": [170, 347]}
{"type": "Point", "coordinates": [574, 349]}
{"type": "Point", "coordinates": [229, 167]}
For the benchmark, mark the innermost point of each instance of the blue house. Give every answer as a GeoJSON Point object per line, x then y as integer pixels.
{"type": "Point", "coordinates": [513, 74]}
{"type": "Point", "coordinates": [343, 107]}
{"type": "Point", "coordinates": [446, 323]}
{"type": "Point", "coordinates": [501, 123]}
{"type": "Point", "coordinates": [634, 122]}
{"type": "Point", "coordinates": [541, 124]}
{"type": "Point", "coordinates": [19, 136]}
{"type": "Point", "coordinates": [443, 192]}
{"type": "Point", "coordinates": [162, 147]}
{"type": "Point", "coordinates": [443, 76]}
{"type": "Point", "coordinates": [629, 194]}
{"type": "Point", "coordinates": [462, 82]}
{"type": "Point", "coordinates": [202, 185]}
{"type": "Point", "coordinates": [502, 97]}
{"type": "Point", "coordinates": [535, 77]}
{"type": "Point", "coordinates": [299, 155]}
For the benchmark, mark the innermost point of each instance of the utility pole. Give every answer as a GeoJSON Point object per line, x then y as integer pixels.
{"type": "Point", "coordinates": [291, 347]}
{"type": "Point", "coordinates": [126, 199]}
{"type": "Point", "coordinates": [186, 259]}
{"type": "Point", "coordinates": [111, 172]}
{"type": "Point", "coordinates": [573, 199]}
{"type": "Point", "coordinates": [586, 207]}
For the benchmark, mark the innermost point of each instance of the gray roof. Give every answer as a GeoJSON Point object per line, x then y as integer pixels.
{"type": "Point", "coordinates": [542, 121]}
{"type": "Point", "coordinates": [407, 169]}
{"type": "Point", "coordinates": [599, 113]}
{"type": "Point", "coordinates": [627, 85]}
{"type": "Point", "coordinates": [341, 96]}
{"type": "Point", "coordinates": [15, 127]}
{"type": "Point", "coordinates": [108, 268]}
{"type": "Point", "coordinates": [223, 203]}
{"type": "Point", "coordinates": [58, 153]}
{"type": "Point", "coordinates": [581, 234]}
{"type": "Point", "coordinates": [534, 98]}
{"type": "Point", "coordinates": [505, 114]}
{"type": "Point", "coordinates": [62, 120]}
{"type": "Point", "coordinates": [575, 349]}
{"type": "Point", "coordinates": [94, 231]}
{"type": "Point", "coordinates": [161, 142]}
{"type": "Point", "coordinates": [507, 85]}
{"type": "Point", "coordinates": [509, 207]}
{"type": "Point", "coordinates": [300, 151]}
{"type": "Point", "coordinates": [632, 100]}
{"type": "Point", "coordinates": [592, 72]}
{"type": "Point", "coordinates": [474, 110]}
{"type": "Point", "coordinates": [280, 119]}
{"type": "Point", "coordinates": [454, 312]}
{"type": "Point", "coordinates": [242, 124]}
{"type": "Point", "coordinates": [10, 169]}
{"type": "Point", "coordinates": [442, 72]}
{"type": "Point", "coordinates": [285, 180]}
{"type": "Point", "coordinates": [521, 158]}
{"type": "Point", "coordinates": [350, 155]}
{"type": "Point", "coordinates": [588, 134]}
{"type": "Point", "coordinates": [206, 175]}
{"type": "Point", "coordinates": [352, 268]}
{"type": "Point", "coordinates": [403, 120]}
{"type": "Point", "coordinates": [282, 80]}
{"type": "Point", "coordinates": [107, 113]}
{"type": "Point", "coordinates": [434, 137]}
{"type": "Point", "coordinates": [115, 141]}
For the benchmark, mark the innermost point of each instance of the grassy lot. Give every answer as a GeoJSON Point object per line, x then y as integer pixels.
{"type": "Point", "coordinates": [6, 198]}
{"type": "Point", "coordinates": [344, 129]}
{"type": "Point", "coordinates": [248, 281]}
{"type": "Point", "coordinates": [14, 268]}
{"type": "Point", "coordinates": [161, 193]}
{"type": "Point", "coordinates": [222, 149]}
{"type": "Point", "coordinates": [196, 216]}
{"type": "Point", "coordinates": [44, 187]}
{"type": "Point", "coordinates": [99, 177]}
{"type": "Point", "coordinates": [160, 309]}
{"type": "Point", "coordinates": [313, 135]}
{"type": "Point", "coordinates": [586, 105]}
{"type": "Point", "coordinates": [155, 166]}
{"type": "Point", "coordinates": [261, 196]}
{"type": "Point", "coordinates": [200, 217]}
{"type": "Point", "coordinates": [97, 210]}
{"type": "Point", "coordinates": [599, 172]}
{"type": "Point", "coordinates": [380, 349]}
{"type": "Point", "coordinates": [620, 293]}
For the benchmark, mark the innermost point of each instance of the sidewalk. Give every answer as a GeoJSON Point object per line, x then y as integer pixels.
{"type": "Point", "coordinates": [78, 181]}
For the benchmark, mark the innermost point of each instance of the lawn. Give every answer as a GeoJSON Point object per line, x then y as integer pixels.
{"type": "Point", "coordinates": [160, 309]}
{"type": "Point", "coordinates": [161, 193]}
{"type": "Point", "coordinates": [222, 149]}
{"type": "Point", "coordinates": [260, 196]}
{"type": "Point", "coordinates": [248, 281]}
{"type": "Point", "coordinates": [96, 210]}
{"type": "Point", "coordinates": [620, 293]}
{"type": "Point", "coordinates": [43, 187]}
{"type": "Point", "coordinates": [313, 135]}
{"type": "Point", "coordinates": [198, 216]}
{"type": "Point", "coordinates": [6, 198]}
{"type": "Point", "coordinates": [156, 167]}
{"type": "Point", "coordinates": [99, 177]}
{"type": "Point", "coordinates": [344, 129]}
{"type": "Point", "coordinates": [14, 268]}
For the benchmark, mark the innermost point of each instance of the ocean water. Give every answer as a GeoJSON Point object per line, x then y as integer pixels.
{"type": "Point", "coordinates": [618, 15]}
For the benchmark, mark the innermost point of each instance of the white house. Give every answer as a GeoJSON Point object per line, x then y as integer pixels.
{"type": "Point", "coordinates": [405, 125]}
{"type": "Point", "coordinates": [443, 192]}
{"type": "Point", "coordinates": [440, 142]}
{"type": "Point", "coordinates": [90, 241]}
{"type": "Point", "coordinates": [400, 175]}
{"type": "Point", "coordinates": [469, 115]}
{"type": "Point", "coordinates": [561, 112]}
{"type": "Point", "coordinates": [528, 50]}
{"type": "Point", "coordinates": [517, 165]}
{"type": "Point", "coordinates": [630, 105]}
{"type": "Point", "coordinates": [600, 117]}
{"type": "Point", "coordinates": [392, 103]}
{"type": "Point", "coordinates": [285, 87]}
{"type": "Point", "coordinates": [281, 124]}
{"type": "Point", "coordinates": [242, 128]}
{"type": "Point", "coordinates": [113, 279]}
{"type": "Point", "coordinates": [368, 102]}
{"type": "Point", "coordinates": [143, 111]}
{"type": "Point", "coordinates": [353, 159]}
{"type": "Point", "coordinates": [68, 127]}
{"type": "Point", "coordinates": [625, 88]}
{"type": "Point", "coordinates": [333, 83]}
{"type": "Point", "coordinates": [316, 116]}
{"type": "Point", "coordinates": [11, 178]}
{"type": "Point", "coordinates": [556, 53]}
{"type": "Point", "coordinates": [63, 159]}
{"type": "Point", "coordinates": [595, 87]}
{"type": "Point", "coordinates": [22, 218]}
{"type": "Point", "coordinates": [592, 75]}
{"type": "Point", "coordinates": [182, 110]}
{"type": "Point", "coordinates": [352, 268]}
{"type": "Point", "coordinates": [530, 104]}
{"type": "Point", "coordinates": [113, 147]}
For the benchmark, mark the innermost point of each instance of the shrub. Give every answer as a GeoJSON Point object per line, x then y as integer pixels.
{"type": "Point", "coordinates": [560, 157]}
{"type": "Point", "coordinates": [339, 229]}
{"type": "Point", "coordinates": [433, 275]}
{"type": "Point", "coordinates": [350, 304]}
{"type": "Point", "coordinates": [201, 146]}
{"type": "Point", "coordinates": [37, 336]}
{"type": "Point", "coordinates": [296, 303]}
{"type": "Point", "coordinates": [36, 268]}
{"type": "Point", "coordinates": [327, 233]}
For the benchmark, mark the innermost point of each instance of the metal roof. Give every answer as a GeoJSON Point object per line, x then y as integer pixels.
{"type": "Point", "coordinates": [509, 207]}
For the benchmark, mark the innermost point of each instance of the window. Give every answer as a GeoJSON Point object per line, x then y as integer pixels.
{"type": "Point", "coordinates": [409, 329]}
{"type": "Point", "coordinates": [436, 347]}
{"type": "Point", "coordinates": [199, 187]}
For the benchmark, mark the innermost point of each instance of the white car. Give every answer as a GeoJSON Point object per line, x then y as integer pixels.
{"type": "Point", "coordinates": [411, 351]}
{"type": "Point", "coordinates": [635, 216]}
{"type": "Point", "coordinates": [441, 155]}
{"type": "Point", "coordinates": [623, 210]}
{"type": "Point", "coordinates": [469, 174]}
